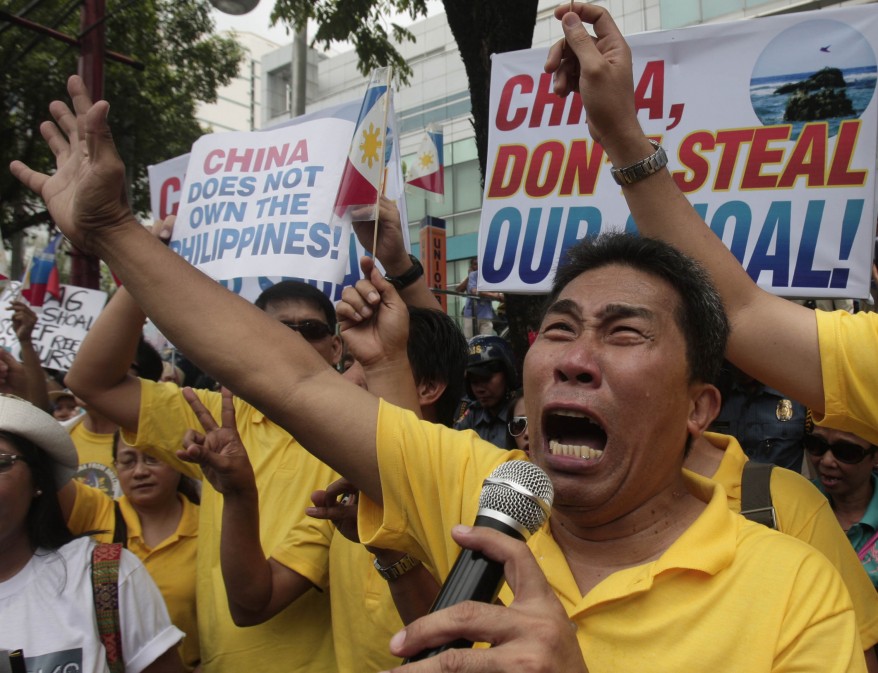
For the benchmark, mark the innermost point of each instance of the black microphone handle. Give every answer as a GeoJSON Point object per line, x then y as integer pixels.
{"type": "Point", "coordinates": [473, 577]}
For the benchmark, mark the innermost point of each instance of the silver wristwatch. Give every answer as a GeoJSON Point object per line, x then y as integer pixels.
{"type": "Point", "coordinates": [643, 168]}
{"type": "Point", "coordinates": [398, 569]}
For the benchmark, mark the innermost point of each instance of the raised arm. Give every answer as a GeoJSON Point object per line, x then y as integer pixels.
{"type": "Point", "coordinates": [392, 254]}
{"type": "Point", "coordinates": [23, 322]}
{"type": "Point", "coordinates": [277, 371]}
{"type": "Point", "coordinates": [99, 374]}
{"type": "Point", "coordinates": [257, 588]}
{"type": "Point", "coordinates": [772, 339]}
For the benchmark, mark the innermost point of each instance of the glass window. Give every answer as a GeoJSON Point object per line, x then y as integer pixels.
{"type": "Point", "coordinates": [462, 150]}
{"type": "Point", "coordinates": [467, 186]}
{"type": "Point", "coordinates": [677, 13]}
{"type": "Point", "coordinates": [712, 9]}
{"type": "Point", "coordinates": [466, 223]}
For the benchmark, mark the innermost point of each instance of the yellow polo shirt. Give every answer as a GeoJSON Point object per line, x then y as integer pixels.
{"type": "Point", "coordinates": [171, 564]}
{"type": "Point", "coordinates": [727, 595]}
{"type": "Point", "coordinates": [364, 616]}
{"type": "Point", "coordinates": [298, 639]}
{"type": "Point", "coordinates": [803, 512]}
{"type": "Point", "coordinates": [849, 361]}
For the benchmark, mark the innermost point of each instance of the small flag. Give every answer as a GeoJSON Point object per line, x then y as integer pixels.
{"type": "Point", "coordinates": [364, 169]}
{"type": "Point", "coordinates": [41, 276]}
{"type": "Point", "coordinates": [427, 171]}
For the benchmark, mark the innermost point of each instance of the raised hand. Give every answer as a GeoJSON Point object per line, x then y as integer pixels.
{"type": "Point", "coordinates": [374, 319]}
{"type": "Point", "coordinates": [391, 250]}
{"type": "Point", "coordinates": [598, 68]}
{"type": "Point", "coordinates": [23, 320]}
{"type": "Point", "coordinates": [87, 191]}
{"type": "Point", "coordinates": [532, 635]}
{"type": "Point", "coordinates": [219, 452]}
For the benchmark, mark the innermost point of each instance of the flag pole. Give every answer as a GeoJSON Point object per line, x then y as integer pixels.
{"type": "Point", "coordinates": [383, 171]}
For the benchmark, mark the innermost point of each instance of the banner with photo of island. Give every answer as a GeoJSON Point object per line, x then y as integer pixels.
{"type": "Point", "coordinates": [770, 128]}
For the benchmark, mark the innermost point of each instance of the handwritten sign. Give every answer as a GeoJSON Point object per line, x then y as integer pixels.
{"type": "Point", "coordinates": [61, 324]}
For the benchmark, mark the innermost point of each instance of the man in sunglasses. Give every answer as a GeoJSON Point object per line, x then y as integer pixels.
{"type": "Point", "coordinates": [844, 465]}
{"type": "Point", "coordinates": [155, 416]}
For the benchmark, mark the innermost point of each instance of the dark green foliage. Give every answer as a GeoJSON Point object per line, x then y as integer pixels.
{"type": "Point", "coordinates": [152, 111]}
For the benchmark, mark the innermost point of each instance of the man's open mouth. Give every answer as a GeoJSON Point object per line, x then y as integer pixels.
{"type": "Point", "coordinates": [573, 433]}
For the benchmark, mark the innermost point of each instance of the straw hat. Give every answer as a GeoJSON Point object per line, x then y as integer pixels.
{"type": "Point", "coordinates": [22, 418]}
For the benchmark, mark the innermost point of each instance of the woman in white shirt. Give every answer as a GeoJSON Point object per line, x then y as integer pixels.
{"type": "Point", "coordinates": [47, 607]}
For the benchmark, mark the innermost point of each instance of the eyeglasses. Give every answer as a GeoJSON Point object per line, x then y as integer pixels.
{"type": "Point", "coordinates": [517, 425]}
{"type": "Point", "coordinates": [7, 460]}
{"type": "Point", "coordinates": [129, 462]}
{"type": "Point", "coordinates": [844, 452]}
{"type": "Point", "coordinates": [311, 330]}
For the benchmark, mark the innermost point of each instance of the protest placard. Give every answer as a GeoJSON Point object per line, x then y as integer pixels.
{"type": "Point", "coordinates": [62, 324]}
{"type": "Point", "coordinates": [248, 274]}
{"type": "Point", "coordinates": [770, 128]}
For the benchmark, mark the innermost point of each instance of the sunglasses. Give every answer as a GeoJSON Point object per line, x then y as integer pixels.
{"type": "Point", "coordinates": [311, 330]}
{"type": "Point", "coordinates": [517, 425]}
{"type": "Point", "coordinates": [844, 452]}
{"type": "Point", "coordinates": [7, 460]}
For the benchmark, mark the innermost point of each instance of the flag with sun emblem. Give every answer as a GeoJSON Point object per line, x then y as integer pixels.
{"type": "Point", "coordinates": [427, 171]}
{"type": "Point", "coordinates": [364, 169]}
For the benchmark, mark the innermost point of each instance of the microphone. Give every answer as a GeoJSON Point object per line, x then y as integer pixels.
{"type": "Point", "coordinates": [516, 500]}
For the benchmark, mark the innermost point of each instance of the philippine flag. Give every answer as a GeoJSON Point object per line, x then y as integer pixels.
{"type": "Point", "coordinates": [363, 171]}
{"type": "Point", "coordinates": [428, 170]}
{"type": "Point", "coordinates": [41, 276]}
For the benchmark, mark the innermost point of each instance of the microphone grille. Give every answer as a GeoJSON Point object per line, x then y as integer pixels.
{"type": "Point", "coordinates": [516, 498]}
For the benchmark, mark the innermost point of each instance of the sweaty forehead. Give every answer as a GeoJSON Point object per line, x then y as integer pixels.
{"type": "Point", "coordinates": [617, 290]}
{"type": "Point", "coordinates": [294, 310]}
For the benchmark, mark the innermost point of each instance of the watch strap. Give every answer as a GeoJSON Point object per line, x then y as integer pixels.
{"type": "Point", "coordinates": [643, 168]}
{"type": "Point", "coordinates": [398, 569]}
{"type": "Point", "coordinates": [415, 271]}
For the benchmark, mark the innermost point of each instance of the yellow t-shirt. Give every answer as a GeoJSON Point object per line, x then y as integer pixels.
{"type": "Point", "coordinates": [849, 361]}
{"type": "Point", "coordinates": [803, 512]}
{"type": "Point", "coordinates": [171, 564]}
{"type": "Point", "coordinates": [363, 611]}
{"type": "Point", "coordinates": [727, 595]}
{"type": "Point", "coordinates": [95, 451]}
{"type": "Point", "coordinates": [298, 639]}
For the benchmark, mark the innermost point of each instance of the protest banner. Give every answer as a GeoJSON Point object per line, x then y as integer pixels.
{"type": "Point", "coordinates": [770, 129]}
{"type": "Point", "coordinates": [166, 186]}
{"type": "Point", "coordinates": [62, 324]}
{"type": "Point", "coordinates": [326, 135]}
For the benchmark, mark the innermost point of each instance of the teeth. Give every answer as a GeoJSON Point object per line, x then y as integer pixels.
{"type": "Point", "coordinates": [578, 450]}
{"type": "Point", "coordinates": [570, 412]}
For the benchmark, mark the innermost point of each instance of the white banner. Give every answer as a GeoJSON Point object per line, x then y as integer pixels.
{"type": "Point", "coordinates": [255, 208]}
{"type": "Point", "coordinates": [61, 324]}
{"type": "Point", "coordinates": [793, 200]}
{"type": "Point", "coordinates": [261, 203]}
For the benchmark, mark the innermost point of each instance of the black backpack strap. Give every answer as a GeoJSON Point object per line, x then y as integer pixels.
{"type": "Point", "coordinates": [756, 503]}
{"type": "Point", "coordinates": [120, 530]}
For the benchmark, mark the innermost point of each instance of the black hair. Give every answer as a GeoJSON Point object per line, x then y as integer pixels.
{"type": "Point", "coordinates": [437, 352]}
{"type": "Point", "coordinates": [296, 290]}
{"type": "Point", "coordinates": [148, 361]}
{"type": "Point", "coordinates": [700, 314]}
{"type": "Point", "coordinates": [186, 486]}
{"type": "Point", "coordinates": [45, 524]}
